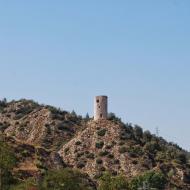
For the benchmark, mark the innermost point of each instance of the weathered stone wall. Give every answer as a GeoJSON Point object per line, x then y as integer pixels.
{"type": "Point", "coordinates": [100, 107]}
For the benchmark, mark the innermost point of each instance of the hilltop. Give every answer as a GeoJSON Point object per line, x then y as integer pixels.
{"type": "Point", "coordinates": [45, 138]}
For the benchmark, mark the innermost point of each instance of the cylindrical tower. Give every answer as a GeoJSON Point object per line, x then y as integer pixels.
{"type": "Point", "coordinates": [100, 107]}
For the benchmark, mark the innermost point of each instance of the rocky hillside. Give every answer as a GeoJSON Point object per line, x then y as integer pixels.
{"type": "Point", "coordinates": [120, 149]}
{"type": "Point", "coordinates": [45, 138]}
{"type": "Point", "coordinates": [39, 125]}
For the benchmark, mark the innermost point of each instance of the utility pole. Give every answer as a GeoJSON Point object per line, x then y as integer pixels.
{"type": "Point", "coordinates": [157, 132]}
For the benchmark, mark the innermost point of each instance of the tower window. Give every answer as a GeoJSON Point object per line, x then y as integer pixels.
{"type": "Point", "coordinates": [97, 101]}
{"type": "Point", "coordinates": [101, 115]}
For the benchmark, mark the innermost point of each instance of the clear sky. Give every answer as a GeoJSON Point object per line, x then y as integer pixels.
{"type": "Point", "coordinates": [64, 52]}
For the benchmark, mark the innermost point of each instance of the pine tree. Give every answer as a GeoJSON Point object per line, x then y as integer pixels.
{"type": "Point", "coordinates": [73, 113]}
{"type": "Point", "coordinates": [87, 117]}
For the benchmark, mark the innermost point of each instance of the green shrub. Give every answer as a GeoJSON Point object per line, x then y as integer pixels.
{"type": "Point", "coordinates": [109, 146]}
{"type": "Point", "coordinates": [152, 147]}
{"type": "Point", "coordinates": [78, 143]}
{"type": "Point", "coordinates": [25, 153]}
{"type": "Point", "coordinates": [29, 184]}
{"type": "Point", "coordinates": [135, 151]}
{"type": "Point", "coordinates": [64, 126]}
{"type": "Point", "coordinates": [79, 154]}
{"type": "Point", "coordinates": [7, 163]}
{"type": "Point", "coordinates": [3, 103]}
{"type": "Point", "coordinates": [138, 132]}
{"type": "Point", "coordinates": [122, 149]}
{"type": "Point", "coordinates": [98, 175]}
{"type": "Point", "coordinates": [101, 132]}
{"type": "Point", "coordinates": [3, 126]}
{"type": "Point", "coordinates": [109, 182]}
{"type": "Point", "coordinates": [126, 137]}
{"type": "Point", "coordinates": [103, 153]}
{"type": "Point", "coordinates": [99, 161]}
{"type": "Point", "coordinates": [111, 156]}
{"type": "Point", "coordinates": [135, 162]}
{"type": "Point", "coordinates": [186, 177]}
{"type": "Point", "coordinates": [151, 179]}
{"type": "Point", "coordinates": [161, 156]}
{"type": "Point", "coordinates": [99, 144]}
{"type": "Point", "coordinates": [40, 165]}
{"type": "Point", "coordinates": [66, 150]}
{"type": "Point", "coordinates": [116, 161]}
{"type": "Point", "coordinates": [90, 156]}
{"type": "Point", "coordinates": [81, 164]}
{"type": "Point", "coordinates": [181, 158]}
{"type": "Point", "coordinates": [114, 118]}
{"type": "Point", "coordinates": [102, 169]}
{"type": "Point", "coordinates": [171, 173]}
{"type": "Point", "coordinates": [65, 179]}
{"type": "Point", "coordinates": [121, 143]}
{"type": "Point", "coordinates": [147, 136]}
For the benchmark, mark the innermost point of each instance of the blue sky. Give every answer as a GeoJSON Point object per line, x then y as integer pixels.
{"type": "Point", "coordinates": [137, 52]}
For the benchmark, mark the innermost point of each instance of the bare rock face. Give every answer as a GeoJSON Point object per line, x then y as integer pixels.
{"type": "Point", "coordinates": [56, 161]}
{"type": "Point", "coordinates": [99, 148]}
{"type": "Point", "coordinates": [31, 128]}
{"type": "Point", "coordinates": [40, 125]}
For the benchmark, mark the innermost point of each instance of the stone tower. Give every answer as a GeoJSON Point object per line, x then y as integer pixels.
{"type": "Point", "coordinates": [100, 107]}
